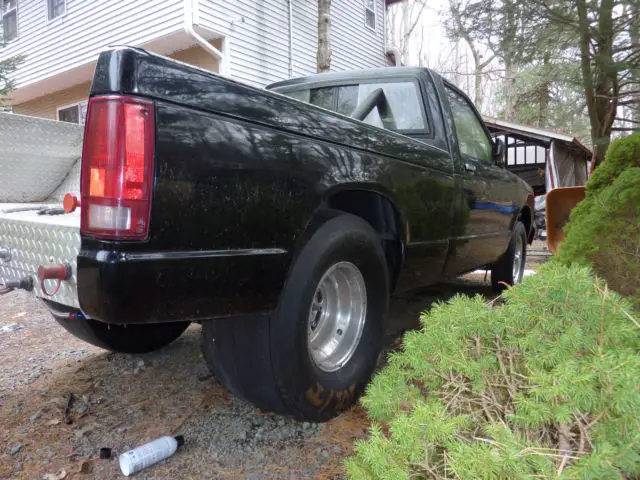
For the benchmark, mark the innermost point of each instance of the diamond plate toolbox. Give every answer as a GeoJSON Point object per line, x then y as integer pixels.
{"type": "Point", "coordinates": [36, 155]}
{"type": "Point", "coordinates": [36, 240]}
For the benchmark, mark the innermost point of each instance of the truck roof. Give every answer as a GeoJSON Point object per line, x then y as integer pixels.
{"type": "Point", "coordinates": [351, 75]}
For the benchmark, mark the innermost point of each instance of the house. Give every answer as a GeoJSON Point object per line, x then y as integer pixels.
{"type": "Point", "coordinates": [253, 41]}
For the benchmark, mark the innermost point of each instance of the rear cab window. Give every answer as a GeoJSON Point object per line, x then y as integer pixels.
{"type": "Point", "coordinates": [403, 113]}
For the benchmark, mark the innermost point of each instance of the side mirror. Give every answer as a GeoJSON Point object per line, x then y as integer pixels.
{"type": "Point", "coordinates": [499, 150]}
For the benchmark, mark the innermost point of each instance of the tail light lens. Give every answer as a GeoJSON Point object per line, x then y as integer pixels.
{"type": "Point", "coordinates": [117, 168]}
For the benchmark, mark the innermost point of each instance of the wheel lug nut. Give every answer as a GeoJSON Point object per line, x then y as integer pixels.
{"type": "Point", "coordinates": [339, 332]}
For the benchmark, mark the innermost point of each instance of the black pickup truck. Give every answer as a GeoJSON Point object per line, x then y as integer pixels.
{"type": "Point", "coordinates": [281, 219]}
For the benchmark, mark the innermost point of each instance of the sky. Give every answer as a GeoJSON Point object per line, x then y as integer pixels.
{"type": "Point", "coordinates": [429, 46]}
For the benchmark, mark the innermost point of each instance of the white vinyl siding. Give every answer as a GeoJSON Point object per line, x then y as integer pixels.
{"type": "Point", "coordinates": [354, 44]}
{"type": "Point", "coordinates": [257, 32]}
{"type": "Point", "coordinates": [87, 27]}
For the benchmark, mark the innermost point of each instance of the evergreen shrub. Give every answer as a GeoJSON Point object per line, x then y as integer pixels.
{"type": "Point", "coordinates": [604, 229]}
{"type": "Point", "coordinates": [543, 385]}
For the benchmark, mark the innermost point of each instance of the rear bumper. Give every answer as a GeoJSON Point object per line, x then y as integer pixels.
{"type": "Point", "coordinates": [128, 288]}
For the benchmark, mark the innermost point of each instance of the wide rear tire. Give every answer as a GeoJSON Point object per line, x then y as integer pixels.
{"type": "Point", "coordinates": [313, 357]}
{"type": "Point", "coordinates": [509, 269]}
{"type": "Point", "coordinates": [124, 338]}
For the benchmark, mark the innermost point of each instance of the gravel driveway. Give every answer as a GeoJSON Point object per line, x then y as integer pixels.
{"type": "Point", "coordinates": [121, 401]}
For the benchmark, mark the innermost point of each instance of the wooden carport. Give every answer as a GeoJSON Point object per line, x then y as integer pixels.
{"type": "Point", "coordinates": [543, 158]}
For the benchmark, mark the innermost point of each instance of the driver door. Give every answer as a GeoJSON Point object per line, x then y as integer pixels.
{"type": "Point", "coordinates": [487, 190]}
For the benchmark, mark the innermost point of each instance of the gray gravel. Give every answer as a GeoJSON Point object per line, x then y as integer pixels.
{"type": "Point", "coordinates": [123, 401]}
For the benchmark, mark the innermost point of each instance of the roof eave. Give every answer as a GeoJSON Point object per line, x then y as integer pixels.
{"type": "Point", "coordinates": [537, 132]}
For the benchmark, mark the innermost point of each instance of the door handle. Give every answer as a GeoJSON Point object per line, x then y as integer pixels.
{"type": "Point", "coordinates": [469, 167]}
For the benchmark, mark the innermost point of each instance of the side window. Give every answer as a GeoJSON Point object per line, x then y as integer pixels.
{"type": "Point", "coordinates": [472, 138]}
{"type": "Point", "coordinates": [405, 106]}
{"type": "Point", "coordinates": [403, 110]}
{"type": "Point", "coordinates": [9, 19]}
{"type": "Point", "coordinates": [370, 14]}
{"type": "Point", "coordinates": [341, 99]}
{"type": "Point", "coordinates": [323, 97]}
{"type": "Point", "coordinates": [302, 95]}
{"type": "Point", "coordinates": [56, 8]}
{"type": "Point", "coordinates": [347, 99]}
{"type": "Point", "coordinates": [75, 113]}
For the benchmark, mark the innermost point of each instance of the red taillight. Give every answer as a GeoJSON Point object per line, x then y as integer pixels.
{"type": "Point", "coordinates": [117, 168]}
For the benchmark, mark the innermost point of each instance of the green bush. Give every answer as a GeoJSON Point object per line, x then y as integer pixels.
{"type": "Point", "coordinates": [545, 383]}
{"type": "Point", "coordinates": [623, 153]}
{"type": "Point", "coordinates": [604, 229]}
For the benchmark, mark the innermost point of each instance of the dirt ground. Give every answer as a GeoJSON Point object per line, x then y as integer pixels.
{"type": "Point", "coordinates": [122, 401]}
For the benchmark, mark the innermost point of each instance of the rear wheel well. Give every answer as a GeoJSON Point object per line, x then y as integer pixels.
{"type": "Point", "coordinates": [382, 215]}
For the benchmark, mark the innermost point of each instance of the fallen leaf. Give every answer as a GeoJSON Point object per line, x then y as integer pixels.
{"type": "Point", "coordinates": [54, 421]}
{"type": "Point", "coordinates": [55, 476]}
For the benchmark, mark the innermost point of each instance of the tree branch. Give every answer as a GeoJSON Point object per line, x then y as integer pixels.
{"type": "Point", "coordinates": [415, 22]}
{"type": "Point", "coordinates": [560, 18]}
{"type": "Point", "coordinates": [628, 120]}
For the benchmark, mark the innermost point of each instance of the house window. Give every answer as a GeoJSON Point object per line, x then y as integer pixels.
{"type": "Point", "coordinates": [370, 13]}
{"type": "Point", "coordinates": [9, 19]}
{"type": "Point", "coordinates": [75, 113]}
{"type": "Point", "coordinates": [56, 8]}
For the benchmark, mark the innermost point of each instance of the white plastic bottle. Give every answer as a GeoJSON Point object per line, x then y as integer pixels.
{"type": "Point", "coordinates": [148, 454]}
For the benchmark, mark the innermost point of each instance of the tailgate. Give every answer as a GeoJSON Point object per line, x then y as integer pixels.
{"type": "Point", "coordinates": [33, 240]}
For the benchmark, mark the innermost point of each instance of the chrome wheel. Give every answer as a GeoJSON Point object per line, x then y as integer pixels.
{"type": "Point", "coordinates": [518, 259]}
{"type": "Point", "coordinates": [337, 316]}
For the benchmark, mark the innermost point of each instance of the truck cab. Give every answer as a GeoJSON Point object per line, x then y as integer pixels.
{"type": "Point", "coordinates": [480, 199]}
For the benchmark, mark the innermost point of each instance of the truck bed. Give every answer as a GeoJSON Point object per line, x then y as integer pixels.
{"type": "Point", "coordinates": [38, 240]}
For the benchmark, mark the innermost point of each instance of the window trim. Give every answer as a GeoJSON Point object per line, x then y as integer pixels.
{"type": "Point", "coordinates": [6, 42]}
{"type": "Point", "coordinates": [65, 107]}
{"type": "Point", "coordinates": [464, 96]}
{"type": "Point", "coordinates": [54, 19]}
{"type": "Point", "coordinates": [375, 16]}
{"type": "Point", "coordinates": [428, 132]}
{"type": "Point", "coordinates": [429, 129]}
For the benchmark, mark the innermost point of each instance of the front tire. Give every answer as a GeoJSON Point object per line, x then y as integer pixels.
{"type": "Point", "coordinates": [313, 357]}
{"type": "Point", "coordinates": [132, 338]}
{"type": "Point", "coordinates": [509, 269]}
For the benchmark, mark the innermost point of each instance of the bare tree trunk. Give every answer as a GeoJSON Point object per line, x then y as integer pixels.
{"type": "Point", "coordinates": [509, 56]}
{"type": "Point", "coordinates": [478, 64]}
{"type": "Point", "coordinates": [509, 91]}
{"type": "Point", "coordinates": [324, 36]}
{"type": "Point", "coordinates": [545, 93]}
{"type": "Point", "coordinates": [601, 80]}
{"type": "Point", "coordinates": [478, 94]}
{"type": "Point", "coordinates": [402, 20]}
{"type": "Point", "coordinates": [635, 72]}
